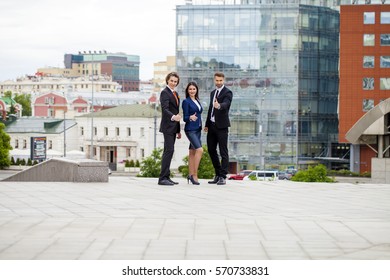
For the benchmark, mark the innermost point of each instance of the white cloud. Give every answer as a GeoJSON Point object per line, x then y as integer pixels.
{"type": "Point", "coordinates": [36, 34]}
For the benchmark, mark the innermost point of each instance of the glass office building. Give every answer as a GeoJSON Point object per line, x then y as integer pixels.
{"type": "Point", "coordinates": [280, 59]}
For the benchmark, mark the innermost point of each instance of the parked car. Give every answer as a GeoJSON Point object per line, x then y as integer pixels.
{"type": "Point", "coordinates": [283, 175]}
{"type": "Point", "coordinates": [240, 175]}
{"type": "Point", "coordinates": [263, 175]}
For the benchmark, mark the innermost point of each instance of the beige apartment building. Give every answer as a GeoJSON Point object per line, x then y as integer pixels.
{"type": "Point", "coordinates": [41, 84]}
{"type": "Point", "coordinates": [161, 69]}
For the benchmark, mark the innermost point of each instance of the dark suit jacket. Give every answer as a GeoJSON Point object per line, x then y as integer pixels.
{"type": "Point", "coordinates": [221, 115]}
{"type": "Point", "coordinates": [189, 108]}
{"type": "Point", "coordinates": [169, 109]}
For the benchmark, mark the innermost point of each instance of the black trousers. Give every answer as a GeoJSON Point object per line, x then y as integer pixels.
{"type": "Point", "coordinates": [169, 148]}
{"type": "Point", "coordinates": [218, 137]}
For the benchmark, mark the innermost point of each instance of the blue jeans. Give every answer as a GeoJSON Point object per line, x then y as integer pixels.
{"type": "Point", "coordinates": [194, 137]}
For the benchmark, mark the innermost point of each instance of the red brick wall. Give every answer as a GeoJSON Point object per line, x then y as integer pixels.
{"type": "Point", "coordinates": [351, 93]}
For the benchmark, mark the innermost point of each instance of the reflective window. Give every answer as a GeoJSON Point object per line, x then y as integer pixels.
{"type": "Point", "coordinates": [369, 40]}
{"type": "Point", "coordinates": [368, 61]}
{"type": "Point", "coordinates": [385, 17]}
{"type": "Point", "coordinates": [272, 57]}
{"type": "Point", "coordinates": [368, 104]}
{"type": "Point", "coordinates": [369, 18]}
{"type": "Point", "coordinates": [368, 83]}
{"type": "Point", "coordinates": [385, 83]}
{"type": "Point", "coordinates": [385, 39]}
{"type": "Point", "coordinates": [385, 61]}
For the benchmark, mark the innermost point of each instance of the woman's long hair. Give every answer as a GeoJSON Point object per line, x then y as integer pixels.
{"type": "Point", "coordinates": [197, 90]}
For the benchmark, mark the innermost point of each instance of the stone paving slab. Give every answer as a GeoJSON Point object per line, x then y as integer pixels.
{"type": "Point", "coordinates": [134, 218]}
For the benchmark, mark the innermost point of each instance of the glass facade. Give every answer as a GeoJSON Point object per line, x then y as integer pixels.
{"type": "Point", "coordinates": [281, 62]}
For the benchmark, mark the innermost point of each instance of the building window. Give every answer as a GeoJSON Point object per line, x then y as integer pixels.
{"type": "Point", "coordinates": [385, 83]}
{"type": "Point", "coordinates": [24, 144]}
{"type": "Point", "coordinates": [368, 104]}
{"type": "Point", "coordinates": [50, 145]}
{"type": "Point", "coordinates": [369, 18]}
{"type": "Point", "coordinates": [385, 17]}
{"type": "Point", "coordinates": [128, 152]}
{"type": "Point", "coordinates": [49, 100]}
{"type": "Point", "coordinates": [128, 131]}
{"type": "Point", "coordinates": [368, 61]}
{"type": "Point", "coordinates": [385, 39]}
{"type": "Point", "coordinates": [385, 61]}
{"type": "Point", "coordinates": [142, 131]}
{"type": "Point", "coordinates": [368, 83]}
{"type": "Point", "coordinates": [16, 143]}
{"type": "Point", "coordinates": [95, 130]}
{"type": "Point", "coordinates": [106, 131]}
{"type": "Point", "coordinates": [142, 153]}
{"type": "Point", "coordinates": [81, 131]}
{"type": "Point", "coordinates": [50, 112]}
{"type": "Point", "coordinates": [369, 40]}
{"type": "Point", "coordinates": [117, 131]}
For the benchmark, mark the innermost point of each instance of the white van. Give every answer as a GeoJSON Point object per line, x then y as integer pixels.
{"type": "Point", "coordinates": [263, 175]}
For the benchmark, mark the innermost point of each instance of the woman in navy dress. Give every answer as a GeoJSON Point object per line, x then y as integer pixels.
{"type": "Point", "coordinates": [192, 111]}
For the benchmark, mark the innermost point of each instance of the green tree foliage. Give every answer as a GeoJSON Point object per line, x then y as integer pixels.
{"type": "Point", "coordinates": [22, 99]}
{"type": "Point", "coordinates": [25, 101]}
{"type": "Point", "coordinates": [206, 169]}
{"type": "Point", "coordinates": [312, 174]}
{"type": "Point", "coordinates": [151, 166]}
{"type": "Point", "coordinates": [5, 147]}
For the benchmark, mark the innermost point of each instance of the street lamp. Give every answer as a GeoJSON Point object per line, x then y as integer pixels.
{"type": "Point", "coordinates": [262, 163]}
{"type": "Point", "coordinates": [64, 135]}
{"type": "Point", "coordinates": [92, 105]}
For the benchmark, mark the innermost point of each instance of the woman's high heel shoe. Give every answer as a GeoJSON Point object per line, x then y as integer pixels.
{"type": "Point", "coordinates": [190, 178]}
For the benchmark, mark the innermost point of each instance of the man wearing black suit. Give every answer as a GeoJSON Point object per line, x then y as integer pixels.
{"type": "Point", "coordinates": [217, 128]}
{"type": "Point", "coordinates": [170, 126]}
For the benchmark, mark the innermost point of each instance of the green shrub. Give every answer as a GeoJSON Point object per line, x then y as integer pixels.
{"type": "Point", "coordinates": [29, 162]}
{"type": "Point", "coordinates": [137, 164]}
{"type": "Point", "coordinates": [205, 170]}
{"type": "Point", "coordinates": [252, 177]}
{"type": "Point", "coordinates": [312, 174]}
{"type": "Point", "coordinates": [151, 166]}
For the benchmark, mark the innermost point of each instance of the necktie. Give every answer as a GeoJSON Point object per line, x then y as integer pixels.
{"type": "Point", "coordinates": [175, 95]}
{"type": "Point", "coordinates": [215, 97]}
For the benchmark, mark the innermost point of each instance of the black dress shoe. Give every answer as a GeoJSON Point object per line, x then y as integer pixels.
{"type": "Point", "coordinates": [169, 179]}
{"type": "Point", "coordinates": [214, 181]}
{"type": "Point", "coordinates": [165, 182]}
{"type": "Point", "coordinates": [221, 181]}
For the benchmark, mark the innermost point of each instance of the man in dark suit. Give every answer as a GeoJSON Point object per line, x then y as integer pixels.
{"type": "Point", "coordinates": [170, 126]}
{"type": "Point", "coordinates": [217, 128]}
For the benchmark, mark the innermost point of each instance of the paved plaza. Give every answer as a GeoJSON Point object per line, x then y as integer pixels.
{"type": "Point", "coordinates": [134, 218]}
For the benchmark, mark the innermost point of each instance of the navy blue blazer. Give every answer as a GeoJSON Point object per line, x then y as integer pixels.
{"type": "Point", "coordinates": [189, 108]}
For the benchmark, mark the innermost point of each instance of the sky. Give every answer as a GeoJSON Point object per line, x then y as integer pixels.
{"type": "Point", "coordinates": [36, 34]}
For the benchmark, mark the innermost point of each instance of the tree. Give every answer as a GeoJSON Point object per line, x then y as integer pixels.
{"type": "Point", "coordinates": [5, 147]}
{"type": "Point", "coordinates": [25, 101]}
{"type": "Point", "coordinates": [206, 169]}
{"type": "Point", "coordinates": [151, 166]}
